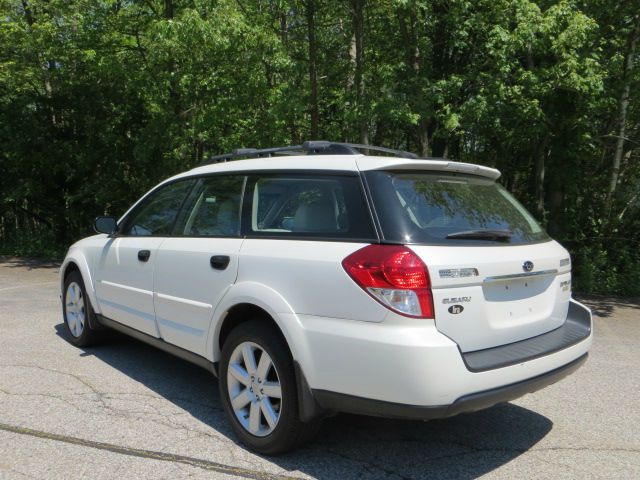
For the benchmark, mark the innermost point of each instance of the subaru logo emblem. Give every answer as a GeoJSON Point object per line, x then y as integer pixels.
{"type": "Point", "coordinates": [527, 266]}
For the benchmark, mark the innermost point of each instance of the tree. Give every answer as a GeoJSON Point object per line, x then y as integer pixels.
{"type": "Point", "coordinates": [101, 99]}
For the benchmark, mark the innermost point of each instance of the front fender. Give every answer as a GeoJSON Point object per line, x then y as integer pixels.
{"type": "Point", "coordinates": [79, 258]}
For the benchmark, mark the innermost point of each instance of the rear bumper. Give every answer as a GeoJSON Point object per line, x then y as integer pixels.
{"type": "Point", "coordinates": [331, 401]}
{"type": "Point", "coordinates": [407, 369]}
{"type": "Point", "coordinates": [575, 329]}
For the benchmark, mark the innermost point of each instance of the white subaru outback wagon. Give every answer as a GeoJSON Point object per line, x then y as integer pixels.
{"type": "Point", "coordinates": [313, 279]}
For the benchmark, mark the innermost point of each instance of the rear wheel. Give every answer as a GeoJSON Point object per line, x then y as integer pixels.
{"type": "Point", "coordinates": [77, 310]}
{"type": "Point", "coordinates": [258, 390]}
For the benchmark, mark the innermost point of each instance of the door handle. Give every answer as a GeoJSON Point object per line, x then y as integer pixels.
{"type": "Point", "coordinates": [143, 255]}
{"type": "Point", "coordinates": [220, 262]}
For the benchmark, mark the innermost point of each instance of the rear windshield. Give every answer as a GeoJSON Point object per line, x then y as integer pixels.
{"type": "Point", "coordinates": [431, 207]}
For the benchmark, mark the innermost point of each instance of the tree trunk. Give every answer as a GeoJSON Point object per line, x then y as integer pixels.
{"type": "Point", "coordinates": [313, 68]}
{"type": "Point", "coordinates": [540, 157]}
{"type": "Point", "coordinates": [423, 137]}
{"type": "Point", "coordinates": [174, 91]}
{"type": "Point", "coordinates": [27, 12]}
{"type": "Point", "coordinates": [407, 20]}
{"type": "Point", "coordinates": [198, 147]}
{"type": "Point", "coordinates": [284, 29]}
{"type": "Point", "coordinates": [555, 200]}
{"type": "Point", "coordinates": [629, 202]}
{"type": "Point", "coordinates": [624, 106]}
{"type": "Point", "coordinates": [357, 18]}
{"type": "Point", "coordinates": [168, 9]}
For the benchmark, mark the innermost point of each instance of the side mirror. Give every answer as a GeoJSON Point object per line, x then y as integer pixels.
{"type": "Point", "coordinates": [106, 225]}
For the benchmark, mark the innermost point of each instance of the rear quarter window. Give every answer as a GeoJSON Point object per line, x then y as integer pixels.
{"type": "Point", "coordinates": [307, 206]}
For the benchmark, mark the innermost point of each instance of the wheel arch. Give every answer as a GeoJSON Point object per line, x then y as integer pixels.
{"type": "Point", "coordinates": [71, 267]}
{"type": "Point", "coordinates": [76, 261]}
{"type": "Point", "coordinates": [241, 313]}
{"type": "Point", "coordinates": [247, 301]}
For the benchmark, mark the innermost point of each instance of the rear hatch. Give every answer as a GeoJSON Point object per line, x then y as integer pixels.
{"type": "Point", "coordinates": [496, 276]}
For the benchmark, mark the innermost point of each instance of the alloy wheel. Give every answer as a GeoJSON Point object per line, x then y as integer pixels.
{"type": "Point", "coordinates": [254, 389]}
{"type": "Point", "coordinates": [75, 314]}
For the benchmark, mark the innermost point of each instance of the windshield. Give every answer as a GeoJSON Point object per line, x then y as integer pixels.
{"type": "Point", "coordinates": [431, 207]}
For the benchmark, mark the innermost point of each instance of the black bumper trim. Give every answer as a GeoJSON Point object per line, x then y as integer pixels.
{"type": "Point", "coordinates": [339, 402]}
{"type": "Point", "coordinates": [576, 328]}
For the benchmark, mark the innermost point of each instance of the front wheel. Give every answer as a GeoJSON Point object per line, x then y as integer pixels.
{"type": "Point", "coordinates": [76, 309]}
{"type": "Point", "coordinates": [258, 390]}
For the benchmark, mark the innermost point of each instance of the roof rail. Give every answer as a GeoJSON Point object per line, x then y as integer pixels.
{"type": "Point", "coordinates": [312, 147]}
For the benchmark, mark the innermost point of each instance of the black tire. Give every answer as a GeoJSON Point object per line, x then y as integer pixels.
{"type": "Point", "coordinates": [88, 336]}
{"type": "Point", "coordinates": [289, 432]}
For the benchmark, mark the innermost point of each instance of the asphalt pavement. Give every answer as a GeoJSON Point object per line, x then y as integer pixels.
{"type": "Point", "coordinates": [126, 410]}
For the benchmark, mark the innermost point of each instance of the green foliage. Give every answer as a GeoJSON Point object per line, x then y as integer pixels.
{"type": "Point", "coordinates": [101, 99]}
{"type": "Point", "coordinates": [610, 269]}
{"type": "Point", "coordinates": [42, 245]}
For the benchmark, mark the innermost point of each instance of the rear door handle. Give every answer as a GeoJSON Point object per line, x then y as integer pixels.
{"type": "Point", "coordinates": [143, 255]}
{"type": "Point", "coordinates": [220, 262]}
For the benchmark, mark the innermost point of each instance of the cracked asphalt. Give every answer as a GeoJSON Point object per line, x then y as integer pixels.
{"type": "Point", "coordinates": [124, 409]}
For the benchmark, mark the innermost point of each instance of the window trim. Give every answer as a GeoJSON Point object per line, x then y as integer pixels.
{"type": "Point", "coordinates": [195, 179]}
{"type": "Point", "coordinates": [250, 177]}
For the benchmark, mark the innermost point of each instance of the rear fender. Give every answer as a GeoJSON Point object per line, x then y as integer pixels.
{"type": "Point", "coordinates": [289, 324]}
{"type": "Point", "coordinates": [261, 296]}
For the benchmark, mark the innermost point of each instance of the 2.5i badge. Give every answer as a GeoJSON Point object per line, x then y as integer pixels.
{"type": "Point", "coordinates": [455, 309]}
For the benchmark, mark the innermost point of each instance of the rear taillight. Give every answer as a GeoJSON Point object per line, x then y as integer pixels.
{"type": "Point", "coordinates": [393, 275]}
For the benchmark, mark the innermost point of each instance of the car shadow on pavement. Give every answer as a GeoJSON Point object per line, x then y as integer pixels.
{"type": "Point", "coordinates": [605, 306]}
{"type": "Point", "coordinates": [347, 446]}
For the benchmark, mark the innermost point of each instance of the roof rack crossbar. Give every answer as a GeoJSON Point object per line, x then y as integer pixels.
{"type": "Point", "coordinates": [311, 147]}
{"type": "Point", "coordinates": [360, 146]}
{"type": "Point", "coordinates": [251, 152]}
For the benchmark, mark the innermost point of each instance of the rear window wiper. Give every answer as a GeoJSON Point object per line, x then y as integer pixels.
{"type": "Point", "coordinates": [498, 235]}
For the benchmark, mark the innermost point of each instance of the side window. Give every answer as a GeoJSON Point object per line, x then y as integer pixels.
{"type": "Point", "coordinates": [309, 206]}
{"type": "Point", "coordinates": [156, 215]}
{"type": "Point", "coordinates": [215, 208]}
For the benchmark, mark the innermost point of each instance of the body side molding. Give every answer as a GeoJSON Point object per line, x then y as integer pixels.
{"type": "Point", "coordinates": [160, 344]}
